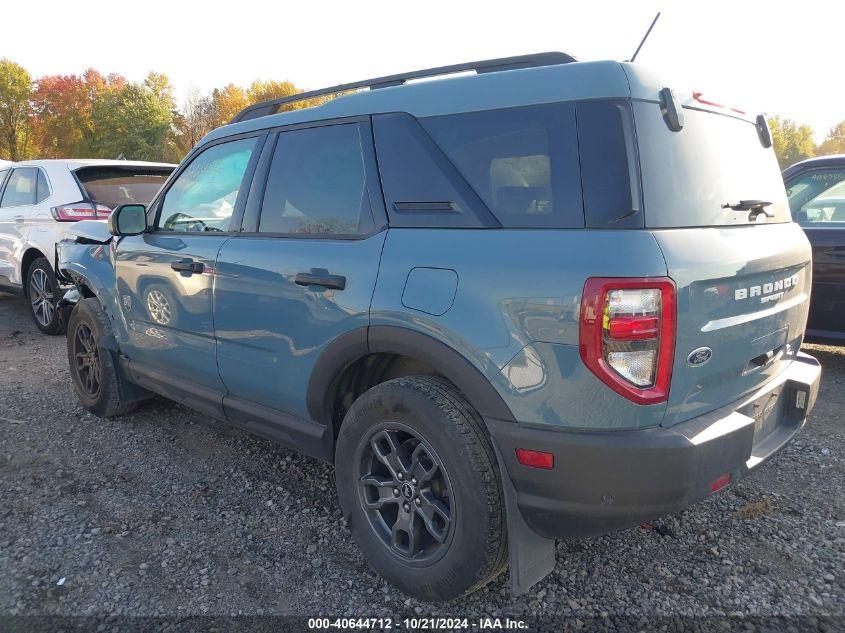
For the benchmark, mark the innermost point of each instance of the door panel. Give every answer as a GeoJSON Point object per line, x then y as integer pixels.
{"type": "Point", "coordinates": [165, 278]}
{"type": "Point", "coordinates": [817, 201]}
{"type": "Point", "coordinates": [306, 275]}
{"type": "Point", "coordinates": [827, 305]}
{"type": "Point", "coordinates": [168, 312]}
{"type": "Point", "coordinates": [16, 207]}
{"type": "Point", "coordinates": [270, 330]}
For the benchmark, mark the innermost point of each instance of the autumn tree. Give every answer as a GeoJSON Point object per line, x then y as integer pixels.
{"type": "Point", "coordinates": [834, 142]}
{"type": "Point", "coordinates": [196, 119]}
{"type": "Point", "coordinates": [792, 141]}
{"type": "Point", "coordinates": [133, 120]}
{"type": "Point", "coordinates": [227, 102]}
{"type": "Point", "coordinates": [15, 111]}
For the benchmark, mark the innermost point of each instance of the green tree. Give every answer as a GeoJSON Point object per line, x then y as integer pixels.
{"type": "Point", "coordinates": [134, 120]}
{"type": "Point", "coordinates": [792, 141]}
{"type": "Point", "coordinates": [834, 142]}
{"type": "Point", "coordinates": [15, 111]}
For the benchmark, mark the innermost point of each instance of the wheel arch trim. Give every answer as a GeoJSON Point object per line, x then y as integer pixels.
{"type": "Point", "coordinates": [356, 344]}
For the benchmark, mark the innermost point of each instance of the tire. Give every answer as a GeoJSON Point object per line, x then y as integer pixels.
{"type": "Point", "coordinates": [97, 380]}
{"type": "Point", "coordinates": [43, 294]}
{"type": "Point", "coordinates": [427, 418]}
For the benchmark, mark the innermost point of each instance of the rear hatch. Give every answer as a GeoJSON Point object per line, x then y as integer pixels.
{"type": "Point", "coordinates": [741, 267]}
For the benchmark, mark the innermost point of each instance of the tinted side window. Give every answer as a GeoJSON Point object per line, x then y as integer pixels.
{"type": "Point", "coordinates": [817, 197]}
{"type": "Point", "coordinates": [421, 186]}
{"type": "Point", "coordinates": [204, 195]}
{"type": "Point", "coordinates": [605, 141]}
{"type": "Point", "coordinates": [317, 184]}
{"type": "Point", "coordinates": [20, 190]}
{"type": "Point", "coordinates": [43, 191]}
{"type": "Point", "coordinates": [523, 162]}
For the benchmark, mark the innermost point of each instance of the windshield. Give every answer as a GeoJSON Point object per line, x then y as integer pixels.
{"type": "Point", "coordinates": [817, 197]}
{"type": "Point", "coordinates": [112, 186]}
{"type": "Point", "coordinates": [692, 177]}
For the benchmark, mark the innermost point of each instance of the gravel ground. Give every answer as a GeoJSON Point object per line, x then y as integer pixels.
{"type": "Point", "coordinates": [167, 513]}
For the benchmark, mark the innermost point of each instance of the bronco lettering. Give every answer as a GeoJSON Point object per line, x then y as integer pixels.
{"type": "Point", "coordinates": [765, 291]}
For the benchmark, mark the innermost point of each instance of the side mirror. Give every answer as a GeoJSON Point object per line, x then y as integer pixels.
{"type": "Point", "coordinates": [128, 219]}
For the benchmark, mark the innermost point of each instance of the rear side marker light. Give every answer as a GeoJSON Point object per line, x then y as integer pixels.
{"type": "Point", "coordinates": [535, 459]}
{"type": "Point", "coordinates": [720, 483]}
{"type": "Point", "coordinates": [627, 335]}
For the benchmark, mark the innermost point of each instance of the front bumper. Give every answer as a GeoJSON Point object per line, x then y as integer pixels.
{"type": "Point", "coordinates": [612, 480]}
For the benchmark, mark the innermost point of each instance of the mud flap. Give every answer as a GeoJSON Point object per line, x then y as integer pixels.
{"type": "Point", "coordinates": [530, 557]}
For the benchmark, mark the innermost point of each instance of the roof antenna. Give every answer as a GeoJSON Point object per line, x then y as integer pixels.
{"type": "Point", "coordinates": [645, 37]}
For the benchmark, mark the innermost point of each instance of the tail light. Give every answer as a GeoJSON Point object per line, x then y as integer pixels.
{"type": "Point", "coordinates": [80, 211]}
{"type": "Point", "coordinates": [627, 335]}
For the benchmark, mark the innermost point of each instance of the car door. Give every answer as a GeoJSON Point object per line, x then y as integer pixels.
{"type": "Point", "coordinates": [166, 275]}
{"type": "Point", "coordinates": [16, 207]}
{"type": "Point", "coordinates": [817, 201]}
{"type": "Point", "coordinates": [302, 272]}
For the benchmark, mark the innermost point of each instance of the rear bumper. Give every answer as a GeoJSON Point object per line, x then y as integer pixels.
{"type": "Point", "coordinates": [607, 481]}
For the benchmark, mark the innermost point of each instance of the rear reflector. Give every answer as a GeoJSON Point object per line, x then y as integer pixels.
{"type": "Point", "coordinates": [535, 459]}
{"type": "Point", "coordinates": [720, 483]}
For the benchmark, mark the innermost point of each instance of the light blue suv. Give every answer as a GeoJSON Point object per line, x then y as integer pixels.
{"type": "Point", "coordinates": [549, 299]}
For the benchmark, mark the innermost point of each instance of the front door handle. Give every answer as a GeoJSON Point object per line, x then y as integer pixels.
{"type": "Point", "coordinates": [320, 277]}
{"type": "Point", "coordinates": [188, 266]}
{"type": "Point", "coordinates": [838, 253]}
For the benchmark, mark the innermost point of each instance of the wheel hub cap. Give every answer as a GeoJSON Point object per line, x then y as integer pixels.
{"type": "Point", "coordinates": [87, 357]}
{"type": "Point", "coordinates": [41, 297]}
{"type": "Point", "coordinates": [406, 493]}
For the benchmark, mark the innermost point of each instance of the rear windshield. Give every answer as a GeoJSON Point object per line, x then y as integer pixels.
{"type": "Point", "coordinates": [715, 160]}
{"type": "Point", "coordinates": [112, 186]}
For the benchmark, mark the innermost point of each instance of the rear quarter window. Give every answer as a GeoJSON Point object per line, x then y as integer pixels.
{"type": "Point", "coordinates": [522, 162]}
{"type": "Point", "coordinates": [609, 177]}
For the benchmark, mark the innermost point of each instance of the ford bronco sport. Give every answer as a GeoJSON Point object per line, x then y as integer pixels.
{"type": "Point", "coordinates": [549, 299]}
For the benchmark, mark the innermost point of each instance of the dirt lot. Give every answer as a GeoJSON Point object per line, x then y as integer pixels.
{"type": "Point", "coordinates": [167, 513]}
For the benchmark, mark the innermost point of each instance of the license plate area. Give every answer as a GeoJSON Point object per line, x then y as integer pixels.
{"type": "Point", "coordinates": [768, 412]}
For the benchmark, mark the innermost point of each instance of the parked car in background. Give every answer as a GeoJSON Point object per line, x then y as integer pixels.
{"type": "Point", "coordinates": [548, 300]}
{"type": "Point", "coordinates": [37, 200]}
{"type": "Point", "coordinates": [816, 192]}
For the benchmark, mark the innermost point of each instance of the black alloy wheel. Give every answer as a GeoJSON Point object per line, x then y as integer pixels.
{"type": "Point", "coordinates": [87, 360]}
{"type": "Point", "coordinates": [406, 493]}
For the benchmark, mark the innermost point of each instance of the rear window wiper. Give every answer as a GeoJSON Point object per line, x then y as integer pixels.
{"type": "Point", "coordinates": [755, 206]}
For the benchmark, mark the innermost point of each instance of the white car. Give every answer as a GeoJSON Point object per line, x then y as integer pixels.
{"type": "Point", "coordinates": [37, 200]}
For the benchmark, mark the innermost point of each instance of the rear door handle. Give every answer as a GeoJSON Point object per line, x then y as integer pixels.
{"type": "Point", "coordinates": [320, 277]}
{"type": "Point", "coordinates": [188, 266]}
{"type": "Point", "coordinates": [838, 253]}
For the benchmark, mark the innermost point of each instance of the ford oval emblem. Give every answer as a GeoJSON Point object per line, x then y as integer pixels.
{"type": "Point", "coordinates": [699, 356]}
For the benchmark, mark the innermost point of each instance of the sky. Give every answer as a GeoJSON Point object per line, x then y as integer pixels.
{"type": "Point", "coordinates": [751, 54]}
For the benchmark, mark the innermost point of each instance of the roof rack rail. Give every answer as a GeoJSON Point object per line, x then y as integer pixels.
{"type": "Point", "coordinates": [266, 108]}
